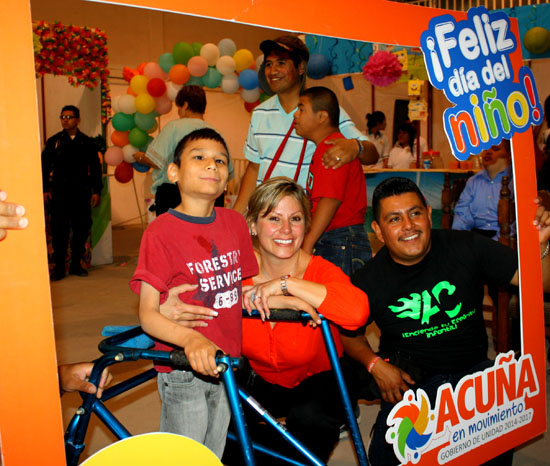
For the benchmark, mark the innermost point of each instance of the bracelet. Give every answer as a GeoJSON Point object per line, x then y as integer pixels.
{"type": "Point", "coordinates": [546, 251]}
{"type": "Point", "coordinates": [360, 147]}
{"type": "Point", "coordinates": [284, 287]}
{"type": "Point", "coordinates": [372, 363]}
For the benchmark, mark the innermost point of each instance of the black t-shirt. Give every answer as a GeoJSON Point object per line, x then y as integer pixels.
{"type": "Point", "coordinates": [431, 312]}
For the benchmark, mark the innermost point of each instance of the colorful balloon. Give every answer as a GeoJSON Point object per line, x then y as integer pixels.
{"type": "Point", "coordinates": [119, 138]}
{"type": "Point", "coordinates": [137, 137]}
{"type": "Point", "coordinates": [141, 167]}
{"type": "Point", "coordinates": [230, 83]}
{"type": "Point", "coordinates": [243, 59]}
{"type": "Point", "coordinates": [166, 61]}
{"type": "Point", "coordinates": [196, 46]}
{"type": "Point", "coordinates": [318, 66]}
{"type": "Point", "coordinates": [154, 128]}
{"type": "Point", "coordinates": [123, 121]}
{"type": "Point", "coordinates": [156, 87]}
{"type": "Point", "coordinates": [182, 52]}
{"type": "Point", "coordinates": [226, 65]}
{"type": "Point", "coordinates": [113, 156]}
{"type": "Point", "coordinates": [179, 74]}
{"type": "Point", "coordinates": [258, 63]}
{"type": "Point", "coordinates": [227, 47]}
{"type": "Point", "coordinates": [210, 53]}
{"type": "Point", "coordinates": [198, 66]}
{"type": "Point", "coordinates": [128, 150]}
{"type": "Point", "coordinates": [126, 104]}
{"type": "Point", "coordinates": [114, 104]}
{"type": "Point", "coordinates": [250, 95]}
{"type": "Point", "coordinates": [536, 40]}
{"type": "Point", "coordinates": [212, 78]}
{"type": "Point", "coordinates": [163, 105]}
{"type": "Point", "coordinates": [248, 79]}
{"type": "Point", "coordinates": [172, 90]}
{"type": "Point", "coordinates": [153, 70]}
{"type": "Point", "coordinates": [124, 172]}
{"type": "Point", "coordinates": [145, 103]}
{"type": "Point", "coordinates": [144, 121]}
{"type": "Point", "coordinates": [139, 84]}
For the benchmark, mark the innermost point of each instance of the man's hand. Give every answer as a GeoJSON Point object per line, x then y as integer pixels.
{"type": "Point", "coordinates": [342, 151]}
{"type": "Point", "coordinates": [73, 377]}
{"type": "Point", "coordinates": [187, 315]}
{"type": "Point", "coordinates": [11, 216]}
{"type": "Point", "coordinates": [391, 380]}
{"type": "Point", "coordinates": [95, 200]}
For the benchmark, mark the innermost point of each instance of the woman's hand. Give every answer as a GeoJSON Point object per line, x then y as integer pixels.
{"type": "Point", "coordinates": [257, 296]}
{"type": "Point", "coordinates": [187, 315]}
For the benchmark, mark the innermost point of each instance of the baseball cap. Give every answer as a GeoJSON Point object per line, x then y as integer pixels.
{"type": "Point", "coordinates": [291, 44]}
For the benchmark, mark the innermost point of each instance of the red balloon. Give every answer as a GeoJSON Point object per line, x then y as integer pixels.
{"type": "Point", "coordinates": [251, 105]}
{"type": "Point", "coordinates": [156, 87]}
{"type": "Point", "coordinates": [124, 172]}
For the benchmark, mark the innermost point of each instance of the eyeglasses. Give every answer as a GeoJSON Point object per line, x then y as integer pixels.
{"type": "Point", "coordinates": [67, 117]}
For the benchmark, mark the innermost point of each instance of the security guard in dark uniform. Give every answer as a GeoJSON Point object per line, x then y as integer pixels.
{"type": "Point", "coordinates": [71, 174]}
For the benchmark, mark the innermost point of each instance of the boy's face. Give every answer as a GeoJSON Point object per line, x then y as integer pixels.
{"type": "Point", "coordinates": [497, 156]}
{"type": "Point", "coordinates": [281, 73]}
{"type": "Point", "coordinates": [305, 119]}
{"type": "Point", "coordinates": [203, 171]}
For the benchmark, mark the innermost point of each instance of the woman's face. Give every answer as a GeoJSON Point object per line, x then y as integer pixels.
{"type": "Point", "coordinates": [281, 232]}
{"type": "Point", "coordinates": [403, 138]}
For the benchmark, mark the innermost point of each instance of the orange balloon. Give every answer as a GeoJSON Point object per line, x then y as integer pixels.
{"type": "Point", "coordinates": [179, 74]}
{"type": "Point", "coordinates": [131, 91]}
{"type": "Point", "coordinates": [120, 138]}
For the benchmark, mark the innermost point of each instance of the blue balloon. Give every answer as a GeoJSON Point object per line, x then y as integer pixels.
{"type": "Point", "coordinates": [194, 80]}
{"type": "Point", "coordinates": [141, 167]}
{"type": "Point", "coordinates": [318, 66]}
{"type": "Point", "coordinates": [248, 79]}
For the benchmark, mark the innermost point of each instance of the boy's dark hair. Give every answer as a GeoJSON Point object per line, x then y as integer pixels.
{"type": "Point", "coordinates": [374, 118]}
{"type": "Point", "coordinates": [409, 129]}
{"type": "Point", "coordinates": [194, 96]}
{"type": "Point", "coordinates": [323, 98]}
{"type": "Point", "coordinates": [71, 108]}
{"type": "Point", "coordinates": [394, 187]}
{"type": "Point", "coordinates": [202, 133]}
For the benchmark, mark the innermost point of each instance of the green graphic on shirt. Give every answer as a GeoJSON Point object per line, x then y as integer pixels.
{"type": "Point", "coordinates": [419, 306]}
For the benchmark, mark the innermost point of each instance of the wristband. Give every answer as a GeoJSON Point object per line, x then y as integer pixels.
{"type": "Point", "coordinates": [546, 251]}
{"type": "Point", "coordinates": [372, 363]}
{"type": "Point", "coordinates": [360, 147]}
{"type": "Point", "coordinates": [284, 287]}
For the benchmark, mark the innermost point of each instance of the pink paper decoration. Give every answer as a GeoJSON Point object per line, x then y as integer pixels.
{"type": "Point", "coordinates": [382, 69]}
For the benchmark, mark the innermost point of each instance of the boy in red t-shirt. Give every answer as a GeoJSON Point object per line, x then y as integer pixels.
{"type": "Point", "coordinates": [338, 197]}
{"type": "Point", "coordinates": [198, 244]}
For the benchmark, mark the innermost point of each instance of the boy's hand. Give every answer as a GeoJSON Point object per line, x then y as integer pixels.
{"type": "Point", "coordinates": [188, 315]}
{"type": "Point", "coordinates": [201, 353]}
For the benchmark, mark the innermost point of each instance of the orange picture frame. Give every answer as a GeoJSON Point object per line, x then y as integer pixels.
{"type": "Point", "coordinates": [30, 417]}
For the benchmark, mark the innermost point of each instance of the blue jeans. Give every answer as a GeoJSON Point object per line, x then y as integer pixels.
{"type": "Point", "coordinates": [194, 407]}
{"type": "Point", "coordinates": [380, 453]}
{"type": "Point", "coordinates": [346, 247]}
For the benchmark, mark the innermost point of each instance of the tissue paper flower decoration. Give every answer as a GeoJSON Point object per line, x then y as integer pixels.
{"type": "Point", "coordinates": [382, 69]}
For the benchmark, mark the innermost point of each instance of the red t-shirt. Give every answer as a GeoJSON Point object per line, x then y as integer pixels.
{"type": "Point", "coordinates": [347, 184]}
{"type": "Point", "coordinates": [214, 252]}
{"type": "Point", "coordinates": [289, 353]}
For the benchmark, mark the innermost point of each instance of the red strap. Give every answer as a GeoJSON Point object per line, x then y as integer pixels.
{"type": "Point", "coordinates": [280, 151]}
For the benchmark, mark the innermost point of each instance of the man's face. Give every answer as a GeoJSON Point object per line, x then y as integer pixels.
{"type": "Point", "coordinates": [305, 119]}
{"type": "Point", "coordinates": [281, 73]}
{"type": "Point", "coordinates": [69, 121]}
{"type": "Point", "coordinates": [496, 155]}
{"type": "Point", "coordinates": [404, 227]}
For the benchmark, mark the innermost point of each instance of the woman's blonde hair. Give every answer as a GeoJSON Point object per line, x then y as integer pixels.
{"type": "Point", "coordinates": [268, 195]}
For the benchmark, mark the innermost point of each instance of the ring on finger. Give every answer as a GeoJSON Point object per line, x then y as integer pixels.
{"type": "Point", "coordinates": [338, 159]}
{"type": "Point", "coordinates": [252, 296]}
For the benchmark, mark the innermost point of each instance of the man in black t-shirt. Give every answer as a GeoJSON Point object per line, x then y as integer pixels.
{"type": "Point", "coordinates": [425, 292]}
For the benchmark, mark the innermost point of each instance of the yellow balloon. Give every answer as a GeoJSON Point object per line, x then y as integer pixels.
{"type": "Point", "coordinates": [243, 59]}
{"type": "Point", "coordinates": [139, 84]}
{"type": "Point", "coordinates": [159, 449]}
{"type": "Point", "coordinates": [144, 103]}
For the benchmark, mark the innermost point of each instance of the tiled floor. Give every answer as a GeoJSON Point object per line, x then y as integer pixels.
{"type": "Point", "coordinates": [83, 306]}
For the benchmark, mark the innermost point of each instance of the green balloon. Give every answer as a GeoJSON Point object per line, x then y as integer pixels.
{"type": "Point", "coordinates": [212, 78]}
{"type": "Point", "coordinates": [137, 137]}
{"type": "Point", "coordinates": [182, 52]}
{"type": "Point", "coordinates": [197, 81]}
{"type": "Point", "coordinates": [166, 61]}
{"type": "Point", "coordinates": [263, 97]}
{"type": "Point", "coordinates": [146, 145]}
{"type": "Point", "coordinates": [197, 46]}
{"type": "Point", "coordinates": [123, 121]}
{"type": "Point", "coordinates": [144, 121]}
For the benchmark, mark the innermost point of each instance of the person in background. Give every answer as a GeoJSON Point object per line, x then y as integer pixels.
{"type": "Point", "coordinates": [272, 146]}
{"type": "Point", "coordinates": [71, 177]}
{"type": "Point", "coordinates": [191, 104]}
{"type": "Point", "coordinates": [376, 124]}
{"type": "Point", "coordinates": [477, 207]}
{"type": "Point", "coordinates": [338, 197]}
{"type": "Point", "coordinates": [403, 154]}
